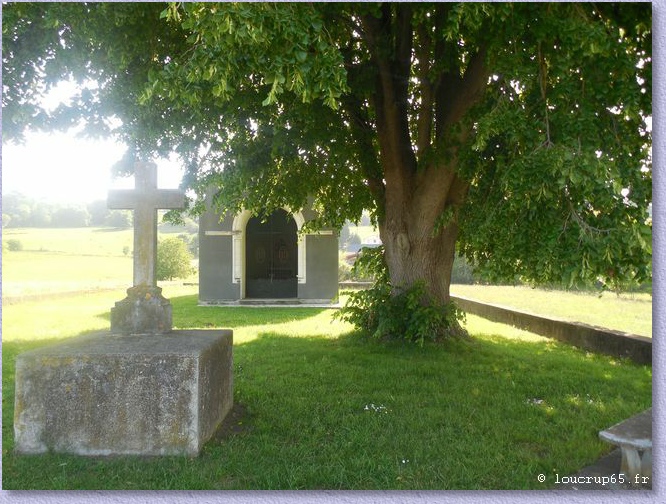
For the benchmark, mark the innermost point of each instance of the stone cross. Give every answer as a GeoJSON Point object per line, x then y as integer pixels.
{"type": "Point", "coordinates": [145, 199]}
{"type": "Point", "coordinates": [144, 310]}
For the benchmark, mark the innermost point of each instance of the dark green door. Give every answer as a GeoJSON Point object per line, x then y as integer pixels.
{"type": "Point", "coordinates": [271, 257]}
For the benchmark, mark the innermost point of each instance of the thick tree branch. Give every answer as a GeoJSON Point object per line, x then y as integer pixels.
{"type": "Point", "coordinates": [425, 117]}
{"type": "Point", "coordinates": [355, 108]}
{"type": "Point", "coordinates": [389, 42]}
{"type": "Point", "coordinates": [403, 51]}
{"type": "Point", "coordinates": [362, 133]}
{"type": "Point", "coordinates": [456, 95]}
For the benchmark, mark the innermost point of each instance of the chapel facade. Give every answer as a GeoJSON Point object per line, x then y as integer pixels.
{"type": "Point", "coordinates": [244, 259]}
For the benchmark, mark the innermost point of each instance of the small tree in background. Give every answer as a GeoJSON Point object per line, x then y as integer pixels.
{"type": "Point", "coordinates": [173, 259]}
{"type": "Point", "coordinates": [119, 219]}
{"type": "Point", "coordinates": [14, 245]}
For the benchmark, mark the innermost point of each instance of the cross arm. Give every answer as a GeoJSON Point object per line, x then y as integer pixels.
{"type": "Point", "coordinates": [160, 199]}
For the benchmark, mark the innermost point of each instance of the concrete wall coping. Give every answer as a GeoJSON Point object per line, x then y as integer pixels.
{"type": "Point", "coordinates": [589, 337]}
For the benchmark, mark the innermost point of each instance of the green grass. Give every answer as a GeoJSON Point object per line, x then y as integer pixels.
{"type": "Point", "coordinates": [325, 409]}
{"type": "Point", "coordinates": [55, 261]}
{"type": "Point", "coordinates": [79, 241]}
{"type": "Point", "coordinates": [630, 313]}
{"type": "Point", "coordinates": [40, 273]}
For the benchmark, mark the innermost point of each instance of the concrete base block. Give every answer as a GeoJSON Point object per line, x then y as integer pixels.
{"type": "Point", "coordinates": [114, 394]}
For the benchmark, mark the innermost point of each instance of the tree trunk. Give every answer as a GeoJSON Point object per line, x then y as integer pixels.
{"type": "Point", "coordinates": [414, 255]}
{"type": "Point", "coordinates": [419, 201]}
{"type": "Point", "coordinates": [419, 244]}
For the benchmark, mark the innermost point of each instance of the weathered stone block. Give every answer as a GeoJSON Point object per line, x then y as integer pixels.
{"type": "Point", "coordinates": [108, 394]}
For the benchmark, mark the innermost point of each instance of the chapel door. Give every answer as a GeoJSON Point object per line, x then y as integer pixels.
{"type": "Point", "coordinates": [271, 257]}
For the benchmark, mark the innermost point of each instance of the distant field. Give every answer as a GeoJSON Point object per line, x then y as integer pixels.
{"type": "Point", "coordinates": [65, 260]}
{"type": "Point", "coordinates": [78, 241]}
{"type": "Point", "coordinates": [93, 259]}
{"type": "Point", "coordinates": [65, 281]}
{"type": "Point", "coordinates": [631, 313]}
{"type": "Point", "coordinates": [31, 273]}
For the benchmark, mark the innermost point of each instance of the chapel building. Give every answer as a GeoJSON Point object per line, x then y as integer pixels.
{"type": "Point", "coordinates": [244, 260]}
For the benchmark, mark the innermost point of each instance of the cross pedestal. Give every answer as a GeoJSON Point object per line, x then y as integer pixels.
{"type": "Point", "coordinates": [144, 310]}
{"type": "Point", "coordinates": [139, 389]}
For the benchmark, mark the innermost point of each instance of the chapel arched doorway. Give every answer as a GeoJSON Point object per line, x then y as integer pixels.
{"type": "Point", "coordinates": [271, 257]}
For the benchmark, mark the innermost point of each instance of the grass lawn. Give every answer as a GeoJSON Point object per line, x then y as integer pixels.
{"type": "Point", "coordinates": [317, 407]}
{"type": "Point", "coordinates": [102, 241]}
{"type": "Point", "coordinates": [630, 313]}
{"type": "Point", "coordinates": [57, 261]}
{"type": "Point", "coordinates": [320, 408]}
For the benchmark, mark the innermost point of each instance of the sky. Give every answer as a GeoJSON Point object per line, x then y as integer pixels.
{"type": "Point", "coordinates": [63, 168]}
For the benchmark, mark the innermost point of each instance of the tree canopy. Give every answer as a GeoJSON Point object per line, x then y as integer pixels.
{"type": "Point", "coordinates": [517, 133]}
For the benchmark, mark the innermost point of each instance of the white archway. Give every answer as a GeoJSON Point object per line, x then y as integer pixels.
{"type": "Point", "coordinates": [238, 228]}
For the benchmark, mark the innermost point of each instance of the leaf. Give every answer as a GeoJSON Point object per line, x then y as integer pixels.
{"type": "Point", "coordinates": [301, 56]}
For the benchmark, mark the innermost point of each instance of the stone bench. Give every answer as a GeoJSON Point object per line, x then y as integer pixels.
{"type": "Point", "coordinates": [634, 437]}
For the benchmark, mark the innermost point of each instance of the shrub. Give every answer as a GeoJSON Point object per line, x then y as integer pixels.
{"type": "Point", "coordinates": [119, 219]}
{"type": "Point", "coordinates": [14, 245]}
{"type": "Point", "coordinates": [385, 313]}
{"type": "Point", "coordinates": [173, 260]}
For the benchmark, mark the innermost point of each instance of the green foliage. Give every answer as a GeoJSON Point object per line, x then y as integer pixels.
{"type": "Point", "coordinates": [119, 219]}
{"type": "Point", "coordinates": [462, 272]}
{"type": "Point", "coordinates": [309, 63]}
{"type": "Point", "coordinates": [410, 315]}
{"type": "Point", "coordinates": [344, 271]}
{"type": "Point", "coordinates": [173, 259]}
{"type": "Point", "coordinates": [538, 112]}
{"type": "Point", "coordinates": [561, 173]}
{"type": "Point", "coordinates": [191, 241]}
{"type": "Point", "coordinates": [405, 316]}
{"type": "Point", "coordinates": [14, 245]}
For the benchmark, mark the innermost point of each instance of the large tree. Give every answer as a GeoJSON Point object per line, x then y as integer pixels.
{"type": "Point", "coordinates": [516, 133]}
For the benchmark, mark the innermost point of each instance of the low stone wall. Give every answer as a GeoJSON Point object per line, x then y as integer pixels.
{"type": "Point", "coordinates": [592, 338]}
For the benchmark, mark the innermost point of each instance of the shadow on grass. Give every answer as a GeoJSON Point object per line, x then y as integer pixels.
{"type": "Point", "coordinates": [188, 314]}
{"type": "Point", "coordinates": [347, 413]}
